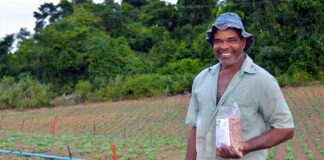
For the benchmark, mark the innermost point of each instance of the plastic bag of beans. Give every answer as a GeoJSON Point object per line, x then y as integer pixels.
{"type": "Point", "coordinates": [229, 127]}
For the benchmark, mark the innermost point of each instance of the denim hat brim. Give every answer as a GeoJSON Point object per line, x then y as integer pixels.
{"type": "Point", "coordinates": [227, 24]}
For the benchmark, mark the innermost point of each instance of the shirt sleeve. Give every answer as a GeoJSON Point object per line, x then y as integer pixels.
{"type": "Point", "coordinates": [193, 109]}
{"type": "Point", "coordinates": [274, 107]}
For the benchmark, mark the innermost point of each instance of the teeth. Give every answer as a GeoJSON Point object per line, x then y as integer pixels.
{"type": "Point", "coordinates": [226, 54]}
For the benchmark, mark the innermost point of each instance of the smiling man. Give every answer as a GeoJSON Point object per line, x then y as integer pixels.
{"type": "Point", "coordinates": [266, 118]}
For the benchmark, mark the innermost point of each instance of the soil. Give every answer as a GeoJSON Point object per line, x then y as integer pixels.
{"type": "Point", "coordinates": [281, 152]}
{"type": "Point", "coordinates": [72, 119]}
{"type": "Point", "coordinates": [310, 145]}
{"type": "Point", "coordinates": [303, 101]}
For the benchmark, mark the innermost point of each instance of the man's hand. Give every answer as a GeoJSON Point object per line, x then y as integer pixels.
{"type": "Point", "coordinates": [269, 139]}
{"type": "Point", "coordinates": [230, 151]}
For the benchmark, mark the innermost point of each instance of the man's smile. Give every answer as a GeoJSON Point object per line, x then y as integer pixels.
{"type": "Point", "coordinates": [226, 53]}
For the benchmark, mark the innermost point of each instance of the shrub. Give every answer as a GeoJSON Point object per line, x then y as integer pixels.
{"type": "Point", "coordinates": [283, 80]}
{"type": "Point", "coordinates": [321, 77]}
{"type": "Point", "coordinates": [301, 78]}
{"type": "Point", "coordinates": [143, 85]}
{"type": "Point", "coordinates": [27, 93]}
{"type": "Point", "coordinates": [83, 90]}
{"type": "Point", "coordinates": [66, 89]}
{"type": "Point", "coordinates": [109, 91]}
{"type": "Point", "coordinates": [182, 82]}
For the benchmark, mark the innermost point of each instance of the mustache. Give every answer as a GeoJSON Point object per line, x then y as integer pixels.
{"type": "Point", "coordinates": [229, 50]}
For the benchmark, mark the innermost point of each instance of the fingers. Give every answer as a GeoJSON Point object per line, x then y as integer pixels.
{"type": "Point", "coordinates": [228, 152]}
{"type": "Point", "coordinates": [237, 153]}
{"type": "Point", "coordinates": [224, 151]}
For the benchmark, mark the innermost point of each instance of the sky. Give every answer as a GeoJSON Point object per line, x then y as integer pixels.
{"type": "Point", "coordinates": [16, 14]}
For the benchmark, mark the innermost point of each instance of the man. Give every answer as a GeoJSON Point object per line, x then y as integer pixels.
{"type": "Point", "coordinates": [266, 119]}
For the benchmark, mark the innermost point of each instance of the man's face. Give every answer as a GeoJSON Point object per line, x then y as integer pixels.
{"type": "Point", "coordinates": [229, 47]}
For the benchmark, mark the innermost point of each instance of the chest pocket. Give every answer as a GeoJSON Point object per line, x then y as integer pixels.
{"type": "Point", "coordinates": [248, 109]}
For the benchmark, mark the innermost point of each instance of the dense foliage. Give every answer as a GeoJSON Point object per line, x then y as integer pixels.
{"type": "Point", "coordinates": [138, 48]}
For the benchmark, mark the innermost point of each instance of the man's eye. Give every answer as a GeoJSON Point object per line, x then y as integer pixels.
{"type": "Point", "coordinates": [232, 40]}
{"type": "Point", "coordinates": [217, 42]}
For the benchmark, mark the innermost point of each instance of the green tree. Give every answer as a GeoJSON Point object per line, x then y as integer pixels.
{"type": "Point", "coordinates": [5, 51]}
{"type": "Point", "coordinates": [45, 10]}
{"type": "Point", "coordinates": [136, 3]}
{"type": "Point", "coordinates": [112, 18]}
{"type": "Point", "coordinates": [159, 13]}
{"type": "Point", "coordinates": [6, 44]}
{"type": "Point", "coordinates": [140, 38]}
{"type": "Point", "coordinates": [195, 12]}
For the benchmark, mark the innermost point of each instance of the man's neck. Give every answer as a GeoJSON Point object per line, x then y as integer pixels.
{"type": "Point", "coordinates": [233, 68]}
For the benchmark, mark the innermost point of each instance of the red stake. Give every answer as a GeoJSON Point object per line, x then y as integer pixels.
{"type": "Point", "coordinates": [94, 128]}
{"type": "Point", "coordinates": [54, 128]}
{"type": "Point", "coordinates": [114, 150]}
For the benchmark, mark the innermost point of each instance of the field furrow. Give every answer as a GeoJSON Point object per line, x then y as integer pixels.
{"type": "Point", "coordinates": [145, 129]}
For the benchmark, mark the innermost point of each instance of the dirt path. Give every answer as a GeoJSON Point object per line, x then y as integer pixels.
{"type": "Point", "coordinates": [173, 121]}
{"type": "Point", "coordinates": [301, 101]}
{"type": "Point", "coordinates": [319, 91]}
{"type": "Point", "coordinates": [115, 124]}
{"type": "Point", "coordinates": [141, 123]}
{"type": "Point", "coordinates": [310, 145]}
{"type": "Point", "coordinates": [295, 142]}
{"type": "Point", "coordinates": [281, 152]}
{"type": "Point", "coordinates": [304, 101]}
{"type": "Point", "coordinates": [178, 123]}
{"type": "Point", "coordinates": [314, 98]}
{"type": "Point", "coordinates": [129, 119]}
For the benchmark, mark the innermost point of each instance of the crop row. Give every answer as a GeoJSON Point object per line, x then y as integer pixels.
{"type": "Point", "coordinates": [299, 132]}
{"type": "Point", "coordinates": [145, 129]}
{"type": "Point", "coordinates": [306, 125]}
{"type": "Point", "coordinates": [135, 127]}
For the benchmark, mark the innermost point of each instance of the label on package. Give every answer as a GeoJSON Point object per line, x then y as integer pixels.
{"type": "Point", "coordinates": [222, 132]}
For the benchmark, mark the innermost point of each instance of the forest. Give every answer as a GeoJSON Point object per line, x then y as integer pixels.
{"type": "Point", "coordinates": [82, 51]}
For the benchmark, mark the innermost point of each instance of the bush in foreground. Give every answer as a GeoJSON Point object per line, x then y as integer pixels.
{"type": "Point", "coordinates": [26, 93]}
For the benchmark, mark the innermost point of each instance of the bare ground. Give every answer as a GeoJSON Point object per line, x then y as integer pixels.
{"type": "Point", "coordinates": [73, 117]}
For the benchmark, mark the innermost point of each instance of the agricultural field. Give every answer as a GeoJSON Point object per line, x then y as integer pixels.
{"type": "Point", "coordinates": [143, 129]}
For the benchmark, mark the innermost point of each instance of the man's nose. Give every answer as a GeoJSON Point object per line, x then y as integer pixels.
{"type": "Point", "coordinates": [224, 45]}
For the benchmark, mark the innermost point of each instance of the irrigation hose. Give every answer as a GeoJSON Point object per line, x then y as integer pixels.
{"type": "Point", "coordinates": [36, 155]}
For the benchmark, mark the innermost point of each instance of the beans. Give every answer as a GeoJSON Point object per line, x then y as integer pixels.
{"type": "Point", "coordinates": [231, 131]}
{"type": "Point", "coordinates": [235, 130]}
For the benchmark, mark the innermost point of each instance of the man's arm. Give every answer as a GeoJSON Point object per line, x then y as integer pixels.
{"type": "Point", "coordinates": [191, 147]}
{"type": "Point", "coordinates": [269, 139]}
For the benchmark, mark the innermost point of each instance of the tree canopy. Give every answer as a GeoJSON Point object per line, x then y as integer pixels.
{"type": "Point", "coordinates": [113, 45]}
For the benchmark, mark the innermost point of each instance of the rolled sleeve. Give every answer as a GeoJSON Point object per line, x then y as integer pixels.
{"type": "Point", "coordinates": [274, 107]}
{"type": "Point", "coordinates": [193, 109]}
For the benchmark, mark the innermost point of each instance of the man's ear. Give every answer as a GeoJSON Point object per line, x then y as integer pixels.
{"type": "Point", "coordinates": [244, 42]}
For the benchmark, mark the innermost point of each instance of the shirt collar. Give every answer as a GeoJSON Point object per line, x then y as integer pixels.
{"type": "Point", "coordinates": [248, 66]}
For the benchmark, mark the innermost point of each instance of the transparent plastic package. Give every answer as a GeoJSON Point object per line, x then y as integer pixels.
{"type": "Point", "coordinates": [229, 127]}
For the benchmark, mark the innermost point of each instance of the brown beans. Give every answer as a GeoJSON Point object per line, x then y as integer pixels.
{"type": "Point", "coordinates": [235, 130]}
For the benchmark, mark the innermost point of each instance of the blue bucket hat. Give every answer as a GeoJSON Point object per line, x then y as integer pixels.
{"type": "Point", "coordinates": [229, 20]}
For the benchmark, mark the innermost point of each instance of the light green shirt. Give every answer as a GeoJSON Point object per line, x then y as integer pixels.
{"type": "Point", "coordinates": [258, 96]}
